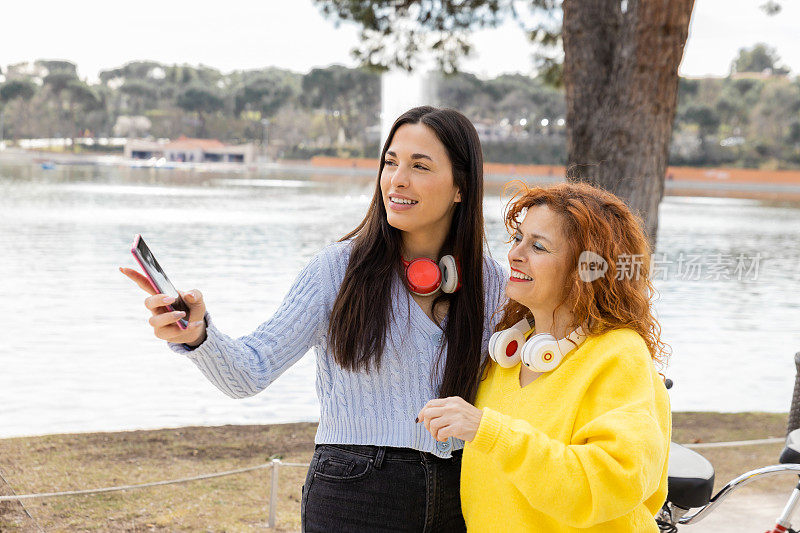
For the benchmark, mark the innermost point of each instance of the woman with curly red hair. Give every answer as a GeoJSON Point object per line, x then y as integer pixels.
{"type": "Point", "coordinates": [571, 425]}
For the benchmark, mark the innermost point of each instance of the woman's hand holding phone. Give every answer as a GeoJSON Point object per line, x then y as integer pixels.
{"type": "Point", "coordinates": [164, 321]}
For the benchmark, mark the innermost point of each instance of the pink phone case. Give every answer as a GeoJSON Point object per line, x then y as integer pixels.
{"type": "Point", "coordinates": [182, 323]}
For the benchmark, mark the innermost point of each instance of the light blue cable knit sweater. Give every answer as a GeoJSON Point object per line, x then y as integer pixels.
{"type": "Point", "coordinates": [376, 407]}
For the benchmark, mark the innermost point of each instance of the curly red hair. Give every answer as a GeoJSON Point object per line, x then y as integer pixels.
{"type": "Point", "coordinates": [597, 221]}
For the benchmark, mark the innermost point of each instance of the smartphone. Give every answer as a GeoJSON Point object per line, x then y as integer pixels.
{"type": "Point", "coordinates": [158, 279]}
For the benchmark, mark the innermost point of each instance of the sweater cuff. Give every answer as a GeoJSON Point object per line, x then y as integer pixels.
{"type": "Point", "coordinates": [488, 431]}
{"type": "Point", "coordinates": [185, 349]}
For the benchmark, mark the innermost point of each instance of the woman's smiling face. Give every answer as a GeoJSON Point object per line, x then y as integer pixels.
{"type": "Point", "coordinates": [417, 181]}
{"type": "Point", "coordinates": [540, 261]}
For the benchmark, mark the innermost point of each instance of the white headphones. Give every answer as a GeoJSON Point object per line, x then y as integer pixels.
{"type": "Point", "coordinates": [540, 353]}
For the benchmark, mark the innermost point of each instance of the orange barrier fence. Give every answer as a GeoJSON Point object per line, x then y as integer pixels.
{"type": "Point", "coordinates": [734, 175]}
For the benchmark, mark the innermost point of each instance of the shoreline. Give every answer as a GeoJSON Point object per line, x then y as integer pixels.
{"type": "Point", "coordinates": [719, 182]}
{"type": "Point", "coordinates": [681, 415]}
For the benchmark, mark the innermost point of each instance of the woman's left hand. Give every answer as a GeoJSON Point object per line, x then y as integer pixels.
{"type": "Point", "coordinates": [451, 417]}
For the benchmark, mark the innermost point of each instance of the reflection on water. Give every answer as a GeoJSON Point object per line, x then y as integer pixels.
{"type": "Point", "coordinates": [77, 353]}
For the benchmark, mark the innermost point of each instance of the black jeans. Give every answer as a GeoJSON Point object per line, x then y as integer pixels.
{"type": "Point", "coordinates": [378, 488]}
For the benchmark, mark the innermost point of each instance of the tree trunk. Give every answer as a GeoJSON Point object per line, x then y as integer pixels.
{"type": "Point", "coordinates": [621, 81]}
{"type": "Point", "coordinates": [200, 130]}
{"type": "Point", "coordinates": [73, 126]}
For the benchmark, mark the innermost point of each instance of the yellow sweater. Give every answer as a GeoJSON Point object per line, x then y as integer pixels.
{"type": "Point", "coordinates": [583, 448]}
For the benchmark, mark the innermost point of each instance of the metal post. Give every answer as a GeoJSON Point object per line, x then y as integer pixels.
{"type": "Point", "coordinates": [273, 492]}
{"type": "Point", "coordinates": [794, 412]}
{"type": "Point", "coordinates": [788, 511]}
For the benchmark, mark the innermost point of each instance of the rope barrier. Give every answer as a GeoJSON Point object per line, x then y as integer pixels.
{"type": "Point", "coordinates": [128, 487]}
{"type": "Point", "coordinates": [276, 463]}
{"type": "Point", "coordinates": [734, 443]}
{"type": "Point", "coordinates": [28, 513]}
{"type": "Point", "coordinates": [697, 445]}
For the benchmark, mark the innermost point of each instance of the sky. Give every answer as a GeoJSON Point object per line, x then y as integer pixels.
{"type": "Point", "coordinates": [292, 34]}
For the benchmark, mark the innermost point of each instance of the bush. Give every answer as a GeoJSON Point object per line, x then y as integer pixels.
{"type": "Point", "coordinates": [551, 150]}
{"type": "Point", "coordinates": [307, 152]}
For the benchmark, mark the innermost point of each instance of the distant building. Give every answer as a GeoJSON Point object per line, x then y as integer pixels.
{"type": "Point", "coordinates": [141, 149]}
{"type": "Point", "coordinates": [188, 150]}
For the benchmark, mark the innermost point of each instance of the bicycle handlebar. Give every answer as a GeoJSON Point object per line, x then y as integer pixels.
{"type": "Point", "coordinates": [741, 481]}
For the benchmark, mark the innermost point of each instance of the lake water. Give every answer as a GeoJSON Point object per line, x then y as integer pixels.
{"type": "Point", "coordinates": [77, 354]}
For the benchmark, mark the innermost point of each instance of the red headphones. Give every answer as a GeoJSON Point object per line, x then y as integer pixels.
{"type": "Point", "coordinates": [424, 277]}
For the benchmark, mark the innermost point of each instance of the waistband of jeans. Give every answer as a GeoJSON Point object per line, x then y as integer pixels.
{"type": "Point", "coordinates": [389, 453]}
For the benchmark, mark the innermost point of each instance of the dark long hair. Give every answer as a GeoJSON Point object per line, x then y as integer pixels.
{"type": "Point", "coordinates": [361, 312]}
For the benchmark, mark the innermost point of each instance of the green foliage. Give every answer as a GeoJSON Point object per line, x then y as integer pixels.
{"type": "Point", "coordinates": [140, 94]}
{"type": "Point", "coordinates": [137, 70]}
{"type": "Point", "coordinates": [393, 33]}
{"type": "Point", "coordinates": [687, 88]}
{"type": "Point", "coordinates": [510, 96]}
{"type": "Point", "coordinates": [52, 67]}
{"type": "Point", "coordinates": [745, 122]}
{"type": "Point", "coordinates": [59, 80]}
{"type": "Point", "coordinates": [340, 88]}
{"type": "Point", "coordinates": [336, 111]}
{"type": "Point", "coordinates": [349, 99]}
{"type": "Point", "coordinates": [509, 110]}
{"type": "Point", "coordinates": [771, 7]}
{"type": "Point", "coordinates": [199, 99]}
{"type": "Point", "coordinates": [793, 135]}
{"type": "Point", "coordinates": [307, 152]}
{"type": "Point", "coordinates": [460, 90]}
{"type": "Point", "coordinates": [265, 94]}
{"type": "Point", "coordinates": [139, 88]}
{"type": "Point", "coordinates": [13, 89]}
{"type": "Point", "coordinates": [540, 151]}
{"type": "Point", "coordinates": [758, 59]}
{"type": "Point", "coordinates": [80, 94]}
{"type": "Point", "coordinates": [705, 117]}
{"type": "Point", "coordinates": [747, 86]}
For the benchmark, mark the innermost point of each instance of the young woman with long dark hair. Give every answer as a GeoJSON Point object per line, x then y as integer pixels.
{"type": "Point", "coordinates": [386, 339]}
{"type": "Point", "coordinates": [571, 426]}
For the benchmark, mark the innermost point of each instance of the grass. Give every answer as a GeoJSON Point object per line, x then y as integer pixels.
{"type": "Point", "coordinates": [240, 502]}
{"type": "Point", "coordinates": [79, 461]}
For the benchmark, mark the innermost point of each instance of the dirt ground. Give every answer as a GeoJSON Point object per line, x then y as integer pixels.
{"type": "Point", "coordinates": [240, 502]}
